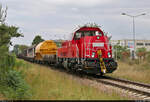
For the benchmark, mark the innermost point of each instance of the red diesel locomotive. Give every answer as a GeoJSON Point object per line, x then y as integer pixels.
{"type": "Point", "coordinates": [89, 51]}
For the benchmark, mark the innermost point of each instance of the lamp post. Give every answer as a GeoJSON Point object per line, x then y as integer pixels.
{"type": "Point", "coordinates": [133, 17]}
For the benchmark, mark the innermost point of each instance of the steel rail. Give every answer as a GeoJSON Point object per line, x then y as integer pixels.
{"type": "Point", "coordinates": [125, 87]}
{"type": "Point", "coordinates": [130, 82]}
{"type": "Point", "coordinates": [116, 82]}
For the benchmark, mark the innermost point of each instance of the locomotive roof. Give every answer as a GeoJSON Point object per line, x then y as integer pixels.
{"type": "Point", "coordinates": [89, 29]}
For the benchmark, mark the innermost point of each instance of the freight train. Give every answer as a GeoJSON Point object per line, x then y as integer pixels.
{"type": "Point", "coordinates": [88, 51]}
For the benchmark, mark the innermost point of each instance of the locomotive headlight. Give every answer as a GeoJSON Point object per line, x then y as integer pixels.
{"type": "Point", "coordinates": [98, 37]}
{"type": "Point", "coordinates": [93, 54]}
{"type": "Point", "coordinates": [109, 54]}
{"type": "Point", "coordinates": [104, 71]}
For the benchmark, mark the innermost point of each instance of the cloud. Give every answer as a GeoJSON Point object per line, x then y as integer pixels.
{"type": "Point", "coordinates": [59, 18]}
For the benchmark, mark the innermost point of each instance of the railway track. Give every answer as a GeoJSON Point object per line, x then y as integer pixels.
{"type": "Point", "coordinates": [138, 89]}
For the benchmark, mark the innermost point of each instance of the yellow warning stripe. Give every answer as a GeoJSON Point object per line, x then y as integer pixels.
{"type": "Point", "coordinates": [102, 64]}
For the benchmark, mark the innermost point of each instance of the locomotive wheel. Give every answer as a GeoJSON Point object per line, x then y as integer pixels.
{"type": "Point", "coordinates": [101, 74]}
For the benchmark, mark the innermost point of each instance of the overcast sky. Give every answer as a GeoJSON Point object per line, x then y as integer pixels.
{"type": "Point", "coordinates": [56, 19]}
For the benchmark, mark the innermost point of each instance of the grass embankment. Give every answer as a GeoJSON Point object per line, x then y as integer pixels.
{"type": "Point", "coordinates": [133, 71]}
{"type": "Point", "coordinates": [47, 84]}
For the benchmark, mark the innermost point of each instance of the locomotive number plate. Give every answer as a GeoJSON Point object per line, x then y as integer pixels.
{"type": "Point", "coordinates": [98, 44]}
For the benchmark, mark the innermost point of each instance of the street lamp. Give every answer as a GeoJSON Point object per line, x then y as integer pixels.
{"type": "Point", "coordinates": [133, 29]}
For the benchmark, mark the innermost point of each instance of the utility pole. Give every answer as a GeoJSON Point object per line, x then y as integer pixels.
{"type": "Point", "coordinates": [133, 17]}
{"type": "Point", "coordinates": [116, 53]}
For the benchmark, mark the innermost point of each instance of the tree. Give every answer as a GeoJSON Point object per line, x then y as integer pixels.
{"type": "Point", "coordinates": [37, 40]}
{"type": "Point", "coordinates": [11, 79]}
{"type": "Point", "coordinates": [6, 33]}
{"type": "Point", "coordinates": [19, 48]}
{"type": "Point", "coordinates": [7, 61]}
{"type": "Point", "coordinates": [141, 53]}
{"type": "Point", "coordinates": [121, 52]}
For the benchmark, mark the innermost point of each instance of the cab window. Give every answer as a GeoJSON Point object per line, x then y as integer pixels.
{"type": "Point", "coordinates": [88, 33]}
{"type": "Point", "coordinates": [91, 33]}
{"type": "Point", "coordinates": [77, 36]}
{"type": "Point", "coordinates": [98, 33]}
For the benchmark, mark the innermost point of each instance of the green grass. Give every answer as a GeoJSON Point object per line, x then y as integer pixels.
{"type": "Point", "coordinates": [132, 71]}
{"type": "Point", "coordinates": [47, 84]}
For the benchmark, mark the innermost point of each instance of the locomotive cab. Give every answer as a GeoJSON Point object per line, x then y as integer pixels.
{"type": "Point", "coordinates": [89, 41]}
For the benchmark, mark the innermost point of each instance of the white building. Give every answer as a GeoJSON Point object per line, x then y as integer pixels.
{"type": "Point", "coordinates": [130, 44]}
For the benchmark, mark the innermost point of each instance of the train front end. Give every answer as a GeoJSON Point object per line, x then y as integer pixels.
{"type": "Point", "coordinates": [95, 52]}
{"type": "Point", "coordinates": [88, 51]}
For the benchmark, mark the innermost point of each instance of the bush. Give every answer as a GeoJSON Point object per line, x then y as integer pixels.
{"type": "Point", "coordinates": [141, 53]}
{"type": "Point", "coordinates": [12, 83]}
{"type": "Point", "coordinates": [122, 53]}
{"type": "Point", "coordinates": [17, 86]}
